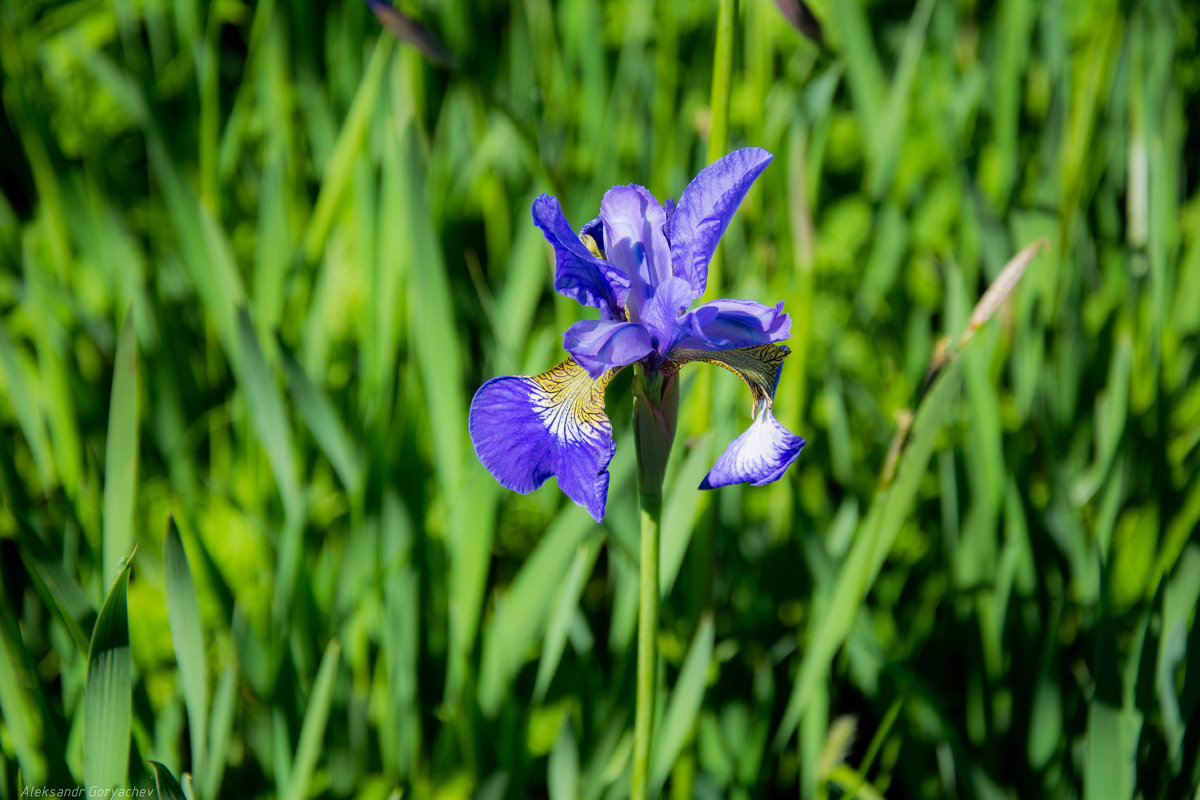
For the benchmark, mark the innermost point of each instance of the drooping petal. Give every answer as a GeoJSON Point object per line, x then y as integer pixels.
{"type": "Point", "coordinates": [665, 311]}
{"type": "Point", "coordinates": [634, 241]}
{"type": "Point", "coordinates": [726, 324]}
{"type": "Point", "coordinates": [599, 345]}
{"type": "Point", "coordinates": [578, 273]}
{"type": "Point", "coordinates": [705, 208]}
{"type": "Point", "coordinates": [758, 457]}
{"type": "Point", "coordinates": [528, 428]}
{"type": "Point", "coordinates": [758, 366]}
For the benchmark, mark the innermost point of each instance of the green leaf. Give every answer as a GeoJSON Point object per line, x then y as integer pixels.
{"type": "Point", "coordinates": [681, 512]}
{"type": "Point", "coordinates": [562, 776]}
{"type": "Point", "coordinates": [875, 539]}
{"type": "Point", "coordinates": [522, 611]}
{"type": "Point", "coordinates": [268, 416]}
{"type": "Point", "coordinates": [684, 705]}
{"type": "Point", "coordinates": [165, 784]}
{"type": "Point", "coordinates": [121, 453]}
{"type": "Point", "coordinates": [318, 412]}
{"type": "Point", "coordinates": [220, 726]}
{"type": "Point", "coordinates": [17, 699]}
{"type": "Point", "coordinates": [566, 603]}
{"type": "Point", "coordinates": [187, 636]}
{"type": "Point", "coordinates": [312, 730]}
{"type": "Point", "coordinates": [107, 695]}
{"type": "Point", "coordinates": [25, 406]}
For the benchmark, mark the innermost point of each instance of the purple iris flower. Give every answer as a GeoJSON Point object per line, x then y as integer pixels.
{"type": "Point", "coordinates": [642, 265]}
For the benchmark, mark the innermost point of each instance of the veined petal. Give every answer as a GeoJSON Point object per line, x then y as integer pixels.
{"type": "Point", "coordinates": [599, 345]}
{"type": "Point", "coordinates": [528, 428]}
{"type": "Point", "coordinates": [634, 240]}
{"type": "Point", "coordinates": [726, 324]}
{"type": "Point", "coordinates": [758, 366]}
{"type": "Point", "coordinates": [758, 457]}
{"type": "Point", "coordinates": [578, 273]}
{"type": "Point", "coordinates": [705, 208]}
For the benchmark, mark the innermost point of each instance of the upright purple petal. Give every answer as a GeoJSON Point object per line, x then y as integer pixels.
{"type": "Point", "coordinates": [577, 273]}
{"type": "Point", "coordinates": [665, 311]}
{"type": "Point", "coordinates": [759, 456]}
{"type": "Point", "coordinates": [705, 208]}
{"type": "Point", "coordinates": [527, 429]}
{"type": "Point", "coordinates": [634, 241]}
{"type": "Point", "coordinates": [728, 324]}
{"type": "Point", "coordinates": [599, 345]}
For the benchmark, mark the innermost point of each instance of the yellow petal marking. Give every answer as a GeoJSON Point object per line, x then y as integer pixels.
{"type": "Point", "coordinates": [758, 366]}
{"type": "Point", "coordinates": [569, 403]}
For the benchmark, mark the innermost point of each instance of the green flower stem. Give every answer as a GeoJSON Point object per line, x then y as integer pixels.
{"type": "Point", "coordinates": [655, 408]}
{"type": "Point", "coordinates": [647, 653]}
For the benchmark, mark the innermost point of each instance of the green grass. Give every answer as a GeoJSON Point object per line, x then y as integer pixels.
{"type": "Point", "coordinates": [255, 260]}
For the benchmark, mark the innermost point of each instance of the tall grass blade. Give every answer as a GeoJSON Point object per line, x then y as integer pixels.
{"type": "Point", "coordinates": [165, 784]}
{"type": "Point", "coordinates": [312, 730]}
{"type": "Point", "coordinates": [684, 704]}
{"type": "Point", "coordinates": [108, 694]}
{"type": "Point", "coordinates": [187, 637]}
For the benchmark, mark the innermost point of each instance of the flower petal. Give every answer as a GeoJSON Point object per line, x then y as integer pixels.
{"type": "Point", "coordinates": [526, 429]}
{"type": "Point", "coordinates": [634, 241]}
{"type": "Point", "coordinates": [758, 366]}
{"type": "Point", "coordinates": [705, 208]}
{"type": "Point", "coordinates": [726, 324]}
{"type": "Point", "coordinates": [759, 456]}
{"type": "Point", "coordinates": [578, 273]}
{"type": "Point", "coordinates": [599, 345]}
{"type": "Point", "coordinates": [665, 311]}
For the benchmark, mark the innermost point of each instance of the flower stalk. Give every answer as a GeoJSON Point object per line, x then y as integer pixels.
{"type": "Point", "coordinates": [655, 410]}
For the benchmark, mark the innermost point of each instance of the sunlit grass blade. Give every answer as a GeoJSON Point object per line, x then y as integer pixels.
{"type": "Point", "coordinates": [886, 140]}
{"type": "Point", "coordinates": [107, 697]}
{"type": "Point", "coordinates": [121, 453]}
{"type": "Point", "coordinates": [24, 402]}
{"type": "Point", "coordinates": [682, 511]}
{"type": "Point", "coordinates": [268, 416]}
{"type": "Point", "coordinates": [565, 605]}
{"type": "Point", "coordinates": [312, 730]}
{"type": "Point", "coordinates": [684, 704]}
{"type": "Point", "coordinates": [165, 784]}
{"type": "Point", "coordinates": [435, 331]}
{"type": "Point", "coordinates": [317, 410]}
{"type": "Point", "coordinates": [562, 777]}
{"type": "Point", "coordinates": [187, 637]}
{"type": "Point", "coordinates": [220, 729]}
{"type": "Point", "coordinates": [22, 718]}
{"type": "Point", "coordinates": [349, 145]}
{"type": "Point", "coordinates": [521, 612]}
{"type": "Point", "coordinates": [64, 596]}
{"type": "Point", "coordinates": [871, 547]}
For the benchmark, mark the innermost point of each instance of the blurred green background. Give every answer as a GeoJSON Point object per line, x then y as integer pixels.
{"type": "Point", "coordinates": [256, 258]}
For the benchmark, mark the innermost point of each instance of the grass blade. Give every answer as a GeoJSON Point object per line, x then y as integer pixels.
{"type": "Point", "coordinates": [108, 694]}
{"type": "Point", "coordinates": [121, 453]}
{"type": "Point", "coordinates": [165, 784]}
{"type": "Point", "coordinates": [684, 705]}
{"type": "Point", "coordinates": [220, 726]}
{"type": "Point", "coordinates": [21, 716]}
{"type": "Point", "coordinates": [874, 542]}
{"type": "Point", "coordinates": [312, 731]}
{"type": "Point", "coordinates": [268, 416]}
{"type": "Point", "coordinates": [323, 420]}
{"type": "Point", "coordinates": [187, 636]}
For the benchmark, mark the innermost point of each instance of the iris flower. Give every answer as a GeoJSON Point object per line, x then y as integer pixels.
{"type": "Point", "coordinates": [643, 265]}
